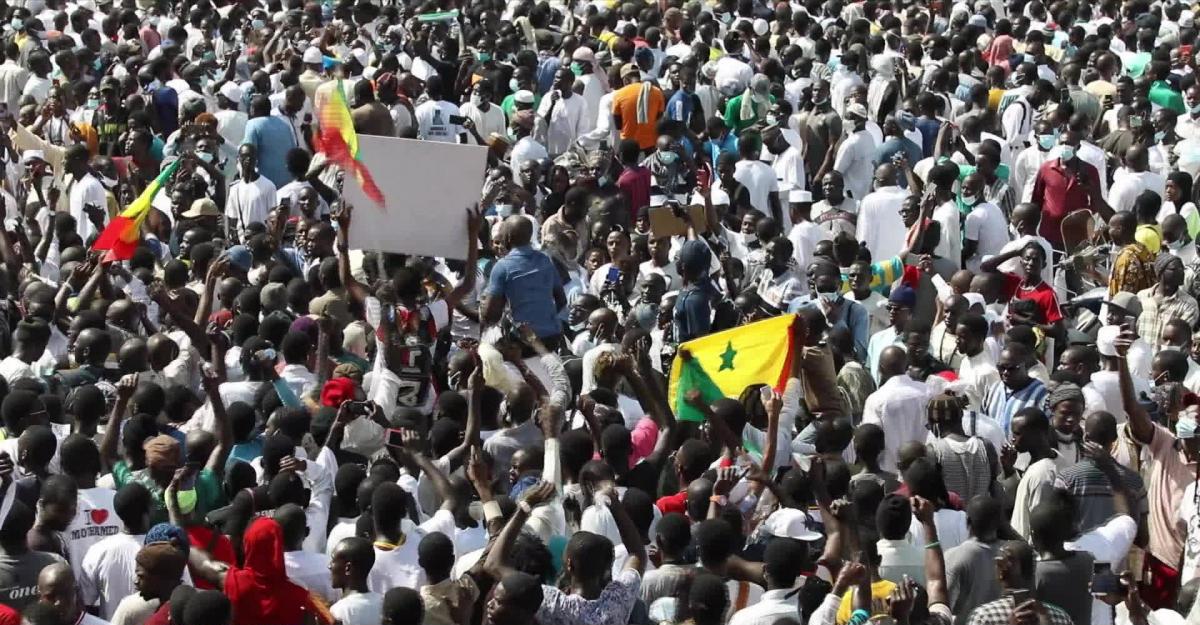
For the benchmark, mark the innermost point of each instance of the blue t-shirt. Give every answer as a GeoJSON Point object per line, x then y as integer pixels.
{"type": "Point", "coordinates": [680, 106]}
{"type": "Point", "coordinates": [527, 279]}
{"type": "Point", "coordinates": [894, 146]}
{"type": "Point", "coordinates": [929, 131]}
{"type": "Point", "coordinates": [273, 138]}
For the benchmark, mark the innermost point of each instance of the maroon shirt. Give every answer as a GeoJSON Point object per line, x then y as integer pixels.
{"type": "Point", "coordinates": [634, 183]}
{"type": "Point", "coordinates": [1060, 190]}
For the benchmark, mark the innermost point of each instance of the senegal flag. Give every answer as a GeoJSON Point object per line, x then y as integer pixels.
{"type": "Point", "coordinates": [120, 237]}
{"type": "Point", "coordinates": [337, 139]}
{"type": "Point", "coordinates": [725, 363]}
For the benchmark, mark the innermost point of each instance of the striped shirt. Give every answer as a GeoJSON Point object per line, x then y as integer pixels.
{"type": "Point", "coordinates": [1001, 404]}
{"type": "Point", "coordinates": [1093, 493]}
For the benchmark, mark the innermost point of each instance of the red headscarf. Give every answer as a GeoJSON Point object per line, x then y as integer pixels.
{"type": "Point", "coordinates": [260, 592]}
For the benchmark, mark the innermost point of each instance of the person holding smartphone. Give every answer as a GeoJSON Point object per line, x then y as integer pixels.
{"type": "Point", "coordinates": [562, 115]}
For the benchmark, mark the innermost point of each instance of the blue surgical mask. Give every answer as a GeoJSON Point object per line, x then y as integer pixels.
{"type": "Point", "coordinates": [205, 156]}
{"type": "Point", "coordinates": [831, 297]}
{"type": "Point", "coordinates": [1159, 135]}
{"type": "Point", "coordinates": [576, 69]}
{"type": "Point", "coordinates": [210, 56]}
{"type": "Point", "coordinates": [1067, 153]}
{"type": "Point", "coordinates": [513, 86]}
{"type": "Point", "coordinates": [1135, 121]}
{"type": "Point", "coordinates": [17, 23]}
{"type": "Point", "coordinates": [969, 200]}
{"type": "Point", "coordinates": [483, 57]}
{"type": "Point", "coordinates": [668, 158]}
{"type": "Point", "coordinates": [602, 181]}
{"type": "Point", "coordinates": [1195, 108]}
{"type": "Point", "coordinates": [92, 104]}
{"type": "Point", "coordinates": [1047, 141]}
{"type": "Point", "coordinates": [257, 24]}
{"type": "Point", "coordinates": [503, 211]}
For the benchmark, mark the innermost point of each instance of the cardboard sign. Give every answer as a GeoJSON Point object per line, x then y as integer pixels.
{"type": "Point", "coordinates": [664, 223]}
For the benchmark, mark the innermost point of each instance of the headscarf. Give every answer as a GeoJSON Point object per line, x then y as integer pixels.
{"type": "Point", "coordinates": [162, 560]}
{"type": "Point", "coordinates": [759, 92]}
{"type": "Point", "coordinates": [999, 52]}
{"type": "Point", "coordinates": [260, 591]}
{"type": "Point", "coordinates": [1063, 391]}
{"type": "Point", "coordinates": [168, 534]}
{"type": "Point", "coordinates": [161, 448]}
{"type": "Point", "coordinates": [1163, 261]}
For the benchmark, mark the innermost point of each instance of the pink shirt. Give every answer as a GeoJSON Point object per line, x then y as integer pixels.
{"type": "Point", "coordinates": [1169, 475]}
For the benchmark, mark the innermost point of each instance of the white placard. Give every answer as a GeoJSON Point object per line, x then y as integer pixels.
{"type": "Point", "coordinates": [428, 187]}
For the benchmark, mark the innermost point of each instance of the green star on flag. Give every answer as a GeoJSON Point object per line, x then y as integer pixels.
{"type": "Point", "coordinates": [727, 357]}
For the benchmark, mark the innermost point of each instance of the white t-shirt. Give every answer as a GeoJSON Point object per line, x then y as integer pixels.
{"type": "Point", "coordinates": [1108, 544]}
{"type": "Point", "coordinates": [1189, 515]}
{"type": "Point", "coordinates": [361, 608]}
{"type": "Point", "coordinates": [486, 122]}
{"type": "Point", "coordinates": [986, 225]}
{"type": "Point", "coordinates": [433, 121]}
{"type": "Point", "coordinates": [398, 566]}
{"type": "Point", "coordinates": [759, 180]}
{"type": "Point", "coordinates": [95, 519]}
{"type": "Point", "coordinates": [1038, 482]}
{"type": "Point", "coordinates": [107, 574]}
{"type": "Point", "coordinates": [310, 570]}
{"type": "Point", "coordinates": [250, 202]}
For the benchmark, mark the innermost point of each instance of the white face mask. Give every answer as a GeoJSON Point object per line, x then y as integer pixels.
{"type": "Point", "coordinates": [969, 200]}
{"type": "Point", "coordinates": [504, 210]}
{"type": "Point", "coordinates": [831, 297]}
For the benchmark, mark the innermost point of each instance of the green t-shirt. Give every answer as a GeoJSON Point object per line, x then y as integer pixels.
{"type": "Point", "coordinates": [208, 491]}
{"type": "Point", "coordinates": [510, 100]}
{"type": "Point", "coordinates": [1163, 95]}
{"type": "Point", "coordinates": [733, 113]}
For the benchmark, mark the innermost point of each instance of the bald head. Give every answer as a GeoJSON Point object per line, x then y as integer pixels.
{"type": "Point", "coordinates": [1137, 158]}
{"type": "Point", "coordinates": [892, 361]}
{"type": "Point", "coordinates": [1100, 427]}
{"type": "Point", "coordinates": [517, 230]}
{"type": "Point", "coordinates": [56, 579]}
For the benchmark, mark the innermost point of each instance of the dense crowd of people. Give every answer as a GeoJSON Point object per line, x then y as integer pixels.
{"type": "Point", "coordinates": [979, 218]}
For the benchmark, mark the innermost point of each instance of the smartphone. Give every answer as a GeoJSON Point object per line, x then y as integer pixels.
{"type": "Point", "coordinates": [702, 177]}
{"type": "Point", "coordinates": [1021, 595]}
{"type": "Point", "coordinates": [614, 274]}
{"type": "Point", "coordinates": [457, 120]}
{"type": "Point", "coordinates": [395, 438]}
{"type": "Point", "coordinates": [1104, 581]}
{"type": "Point", "coordinates": [285, 201]}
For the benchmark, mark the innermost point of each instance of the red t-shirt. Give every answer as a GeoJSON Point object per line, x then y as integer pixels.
{"type": "Point", "coordinates": [222, 550]}
{"type": "Point", "coordinates": [9, 616]}
{"type": "Point", "coordinates": [1042, 295]}
{"type": "Point", "coordinates": [1060, 191]}
{"type": "Point", "coordinates": [634, 183]}
{"type": "Point", "coordinates": [673, 503]}
{"type": "Point", "coordinates": [161, 616]}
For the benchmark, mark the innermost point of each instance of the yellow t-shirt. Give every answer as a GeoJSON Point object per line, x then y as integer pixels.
{"type": "Point", "coordinates": [1149, 236]}
{"type": "Point", "coordinates": [880, 591]}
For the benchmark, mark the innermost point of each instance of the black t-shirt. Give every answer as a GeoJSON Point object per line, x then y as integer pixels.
{"type": "Point", "coordinates": [643, 476]}
{"type": "Point", "coordinates": [18, 577]}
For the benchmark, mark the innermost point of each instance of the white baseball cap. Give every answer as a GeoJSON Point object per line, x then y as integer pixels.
{"type": "Point", "coordinates": [312, 56]}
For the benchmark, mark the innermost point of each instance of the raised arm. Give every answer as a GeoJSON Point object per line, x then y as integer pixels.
{"type": "Point", "coordinates": [630, 537]}
{"type": "Point", "coordinates": [441, 483]}
{"type": "Point", "coordinates": [215, 271]}
{"type": "Point", "coordinates": [935, 560]}
{"type": "Point", "coordinates": [112, 432]}
{"type": "Point", "coordinates": [211, 381]}
{"type": "Point", "coordinates": [993, 263]}
{"type": "Point", "coordinates": [357, 291]}
{"type": "Point", "coordinates": [464, 288]}
{"type": "Point", "coordinates": [1140, 424]}
{"type": "Point", "coordinates": [536, 495]}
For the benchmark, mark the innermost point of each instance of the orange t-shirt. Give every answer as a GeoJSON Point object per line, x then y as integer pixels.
{"type": "Point", "coordinates": [624, 104]}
